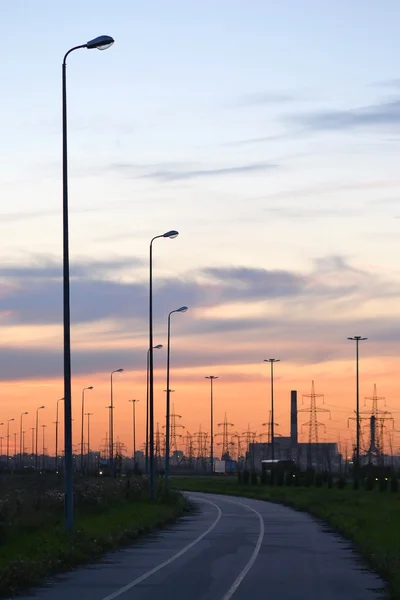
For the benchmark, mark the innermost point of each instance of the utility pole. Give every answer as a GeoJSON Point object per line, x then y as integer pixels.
{"type": "Point", "coordinates": [211, 378]}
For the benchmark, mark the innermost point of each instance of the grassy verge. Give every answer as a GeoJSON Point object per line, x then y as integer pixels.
{"type": "Point", "coordinates": [371, 519]}
{"type": "Point", "coordinates": [26, 559]}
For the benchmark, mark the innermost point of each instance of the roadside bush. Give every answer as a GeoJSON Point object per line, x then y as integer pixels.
{"type": "Point", "coordinates": [246, 477]}
{"type": "Point", "coordinates": [369, 483]}
{"type": "Point", "coordinates": [394, 485]}
{"type": "Point", "coordinates": [341, 483]}
{"type": "Point", "coordinates": [330, 481]}
{"type": "Point", "coordinates": [264, 478]}
{"type": "Point", "coordinates": [240, 477]}
{"type": "Point", "coordinates": [383, 484]}
{"type": "Point", "coordinates": [318, 480]}
{"type": "Point", "coordinates": [280, 478]}
{"type": "Point", "coordinates": [254, 478]}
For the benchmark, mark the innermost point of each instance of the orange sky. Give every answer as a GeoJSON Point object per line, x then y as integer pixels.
{"type": "Point", "coordinates": [243, 392]}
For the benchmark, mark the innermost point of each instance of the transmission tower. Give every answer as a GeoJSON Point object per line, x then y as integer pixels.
{"type": "Point", "coordinates": [189, 448]}
{"type": "Point", "coordinates": [105, 449]}
{"type": "Point", "coordinates": [250, 437]}
{"type": "Point", "coordinates": [377, 418]}
{"type": "Point", "coordinates": [173, 431]}
{"type": "Point", "coordinates": [200, 440]}
{"type": "Point", "coordinates": [313, 423]}
{"type": "Point", "coordinates": [225, 437]}
{"type": "Point", "coordinates": [236, 436]}
{"type": "Point", "coordinates": [269, 424]}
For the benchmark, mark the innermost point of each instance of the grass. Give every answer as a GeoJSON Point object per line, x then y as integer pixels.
{"type": "Point", "coordinates": [370, 519]}
{"type": "Point", "coordinates": [31, 549]}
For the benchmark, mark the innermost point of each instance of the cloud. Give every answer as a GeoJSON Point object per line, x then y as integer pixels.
{"type": "Point", "coordinates": [168, 173]}
{"type": "Point", "coordinates": [235, 314]}
{"type": "Point", "coordinates": [372, 116]}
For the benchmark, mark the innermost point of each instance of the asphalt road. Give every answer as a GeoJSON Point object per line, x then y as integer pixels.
{"type": "Point", "coordinates": [232, 548]}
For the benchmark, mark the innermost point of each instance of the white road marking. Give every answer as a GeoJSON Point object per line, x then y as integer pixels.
{"type": "Point", "coordinates": [135, 582]}
{"type": "Point", "coordinates": [253, 557]}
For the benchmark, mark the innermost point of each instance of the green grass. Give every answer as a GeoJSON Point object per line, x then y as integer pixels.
{"type": "Point", "coordinates": [371, 519]}
{"type": "Point", "coordinates": [26, 559]}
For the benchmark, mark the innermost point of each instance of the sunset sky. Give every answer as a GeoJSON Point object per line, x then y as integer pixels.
{"type": "Point", "coordinates": [268, 134]}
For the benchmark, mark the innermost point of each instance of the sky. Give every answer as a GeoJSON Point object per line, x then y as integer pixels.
{"type": "Point", "coordinates": [268, 135]}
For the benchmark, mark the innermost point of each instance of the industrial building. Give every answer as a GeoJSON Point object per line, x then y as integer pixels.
{"type": "Point", "coordinates": [312, 454]}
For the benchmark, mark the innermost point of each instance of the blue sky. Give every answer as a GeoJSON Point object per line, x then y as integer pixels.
{"type": "Point", "coordinates": [267, 133]}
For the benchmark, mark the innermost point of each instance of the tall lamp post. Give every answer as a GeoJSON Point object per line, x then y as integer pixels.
{"type": "Point", "coordinates": [272, 361]}
{"type": "Point", "coordinates": [158, 347]}
{"type": "Point", "coordinates": [43, 446]}
{"type": "Point", "coordinates": [88, 439]}
{"type": "Point", "coordinates": [182, 309]}
{"type": "Point", "coordinates": [171, 235]}
{"type": "Point", "coordinates": [37, 437]}
{"type": "Point", "coordinates": [134, 428]}
{"type": "Point", "coordinates": [211, 378]}
{"type": "Point", "coordinates": [20, 438]}
{"type": "Point", "coordinates": [57, 423]}
{"type": "Point", "coordinates": [357, 339]}
{"type": "Point", "coordinates": [90, 387]}
{"type": "Point", "coordinates": [112, 421]}
{"type": "Point", "coordinates": [8, 440]}
{"type": "Point", "coordinates": [102, 42]}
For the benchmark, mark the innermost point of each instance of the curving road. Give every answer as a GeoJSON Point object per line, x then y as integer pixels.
{"type": "Point", "coordinates": [232, 548]}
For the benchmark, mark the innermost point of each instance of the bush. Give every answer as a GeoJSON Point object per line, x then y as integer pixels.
{"type": "Point", "coordinates": [330, 481]}
{"type": "Point", "coordinates": [394, 485]}
{"type": "Point", "coordinates": [280, 478]}
{"type": "Point", "coordinates": [240, 477]}
{"type": "Point", "coordinates": [309, 478]}
{"type": "Point", "coordinates": [264, 478]}
{"type": "Point", "coordinates": [383, 484]}
{"type": "Point", "coordinates": [369, 483]}
{"type": "Point", "coordinates": [254, 478]}
{"type": "Point", "coordinates": [341, 483]}
{"type": "Point", "coordinates": [318, 480]}
{"type": "Point", "coordinates": [246, 477]}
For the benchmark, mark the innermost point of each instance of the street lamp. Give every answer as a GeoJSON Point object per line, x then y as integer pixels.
{"type": "Point", "coordinates": [37, 433]}
{"type": "Point", "coordinates": [158, 347]}
{"type": "Point", "coordinates": [357, 339]}
{"type": "Point", "coordinates": [211, 378]}
{"type": "Point", "coordinates": [43, 448]}
{"type": "Point", "coordinates": [102, 42]}
{"type": "Point", "coordinates": [8, 439]}
{"type": "Point", "coordinates": [88, 439]}
{"type": "Point", "coordinates": [272, 361]}
{"type": "Point", "coordinates": [57, 422]}
{"type": "Point", "coordinates": [83, 421]}
{"type": "Point", "coordinates": [134, 428]}
{"type": "Point", "coordinates": [20, 438]}
{"type": "Point", "coordinates": [171, 235]}
{"type": "Point", "coordinates": [112, 422]}
{"type": "Point", "coordinates": [182, 309]}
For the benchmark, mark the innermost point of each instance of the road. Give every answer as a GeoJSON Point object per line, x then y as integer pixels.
{"type": "Point", "coordinates": [231, 548]}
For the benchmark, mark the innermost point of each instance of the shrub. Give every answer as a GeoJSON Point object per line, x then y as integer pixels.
{"type": "Point", "coordinates": [246, 477]}
{"type": "Point", "coordinates": [330, 481]}
{"type": "Point", "coordinates": [240, 477]}
{"type": "Point", "coordinates": [394, 485]}
{"type": "Point", "coordinates": [264, 478]}
{"type": "Point", "coordinates": [280, 478]}
{"type": "Point", "coordinates": [341, 483]}
{"type": "Point", "coordinates": [254, 478]}
{"type": "Point", "coordinates": [318, 480]}
{"type": "Point", "coordinates": [369, 483]}
{"type": "Point", "coordinates": [383, 484]}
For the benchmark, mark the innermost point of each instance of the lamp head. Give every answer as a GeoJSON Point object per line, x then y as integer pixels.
{"type": "Point", "coordinates": [25, 413]}
{"type": "Point", "coordinates": [11, 419]}
{"type": "Point", "coordinates": [182, 309]}
{"type": "Point", "coordinates": [42, 406]}
{"type": "Point", "coordinates": [158, 347]}
{"type": "Point", "coordinates": [119, 371]}
{"type": "Point", "coordinates": [171, 234]}
{"type": "Point", "coordinates": [90, 387]}
{"type": "Point", "coordinates": [102, 42]}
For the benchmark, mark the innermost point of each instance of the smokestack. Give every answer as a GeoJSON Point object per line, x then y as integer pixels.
{"type": "Point", "coordinates": [293, 418]}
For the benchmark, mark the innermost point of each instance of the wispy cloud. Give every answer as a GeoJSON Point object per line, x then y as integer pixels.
{"type": "Point", "coordinates": [168, 173]}
{"type": "Point", "coordinates": [380, 115]}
